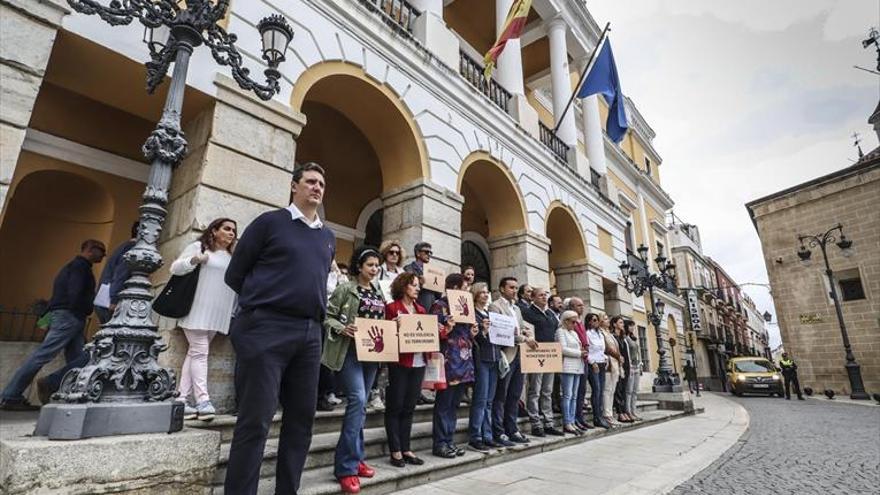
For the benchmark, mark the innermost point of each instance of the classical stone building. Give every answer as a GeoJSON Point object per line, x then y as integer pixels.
{"type": "Point", "coordinates": [807, 319]}
{"type": "Point", "coordinates": [388, 96]}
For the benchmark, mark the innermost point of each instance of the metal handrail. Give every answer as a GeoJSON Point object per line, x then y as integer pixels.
{"type": "Point", "coordinates": [472, 71]}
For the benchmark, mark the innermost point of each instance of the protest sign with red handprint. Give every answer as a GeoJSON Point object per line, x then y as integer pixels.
{"type": "Point", "coordinates": [376, 340]}
{"type": "Point", "coordinates": [461, 306]}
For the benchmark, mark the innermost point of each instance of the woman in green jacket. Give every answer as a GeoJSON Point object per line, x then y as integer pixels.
{"type": "Point", "coordinates": [359, 298]}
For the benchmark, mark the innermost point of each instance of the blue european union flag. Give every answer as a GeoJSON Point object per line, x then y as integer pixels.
{"type": "Point", "coordinates": [603, 79]}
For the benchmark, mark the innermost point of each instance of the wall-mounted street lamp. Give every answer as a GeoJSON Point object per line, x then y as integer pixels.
{"type": "Point", "coordinates": [835, 235]}
{"type": "Point", "coordinates": [638, 280]}
{"type": "Point", "coordinates": [123, 386]}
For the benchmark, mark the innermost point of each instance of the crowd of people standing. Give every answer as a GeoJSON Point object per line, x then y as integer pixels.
{"type": "Point", "coordinates": [294, 344]}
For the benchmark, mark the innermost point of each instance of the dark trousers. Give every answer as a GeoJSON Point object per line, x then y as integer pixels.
{"type": "Point", "coordinates": [401, 397]}
{"type": "Point", "coordinates": [278, 357]}
{"type": "Point", "coordinates": [790, 380]}
{"type": "Point", "coordinates": [326, 381]}
{"type": "Point", "coordinates": [581, 395]}
{"type": "Point", "coordinates": [620, 393]}
{"type": "Point", "coordinates": [505, 405]}
{"type": "Point", "coordinates": [597, 384]}
{"type": "Point", "coordinates": [445, 409]}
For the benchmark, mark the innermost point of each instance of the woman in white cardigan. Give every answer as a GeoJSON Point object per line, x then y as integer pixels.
{"type": "Point", "coordinates": [572, 369]}
{"type": "Point", "coordinates": [211, 311]}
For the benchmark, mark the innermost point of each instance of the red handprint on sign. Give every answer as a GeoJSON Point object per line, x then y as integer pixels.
{"type": "Point", "coordinates": [377, 336]}
{"type": "Point", "coordinates": [462, 302]}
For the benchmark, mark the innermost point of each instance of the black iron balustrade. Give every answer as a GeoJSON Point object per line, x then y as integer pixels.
{"type": "Point", "coordinates": [471, 70]}
{"type": "Point", "coordinates": [554, 144]}
{"type": "Point", "coordinates": [400, 14]}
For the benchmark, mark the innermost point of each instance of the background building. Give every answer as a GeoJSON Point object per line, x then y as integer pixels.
{"type": "Point", "coordinates": [388, 96]}
{"type": "Point", "coordinates": [806, 313]}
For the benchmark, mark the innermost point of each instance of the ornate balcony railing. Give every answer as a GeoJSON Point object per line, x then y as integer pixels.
{"type": "Point", "coordinates": [554, 144]}
{"type": "Point", "coordinates": [471, 70]}
{"type": "Point", "coordinates": [397, 13]}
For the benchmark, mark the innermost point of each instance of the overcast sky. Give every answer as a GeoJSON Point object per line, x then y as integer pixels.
{"type": "Point", "coordinates": [747, 97]}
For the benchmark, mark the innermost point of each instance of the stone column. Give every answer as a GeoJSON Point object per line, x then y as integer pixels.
{"type": "Point", "coordinates": [240, 162]}
{"type": "Point", "coordinates": [520, 254]}
{"type": "Point", "coordinates": [573, 280]}
{"type": "Point", "coordinates": [594, 141]}
{"type": "Point", "coordinates": [431, 30]}
{"type": "Point", "coordinates": [597, 288]}
{"type": "Point", "coordinates": [618, 301]}
{"type": "Point", "coordinates": [29, 30]}
{"type": "Point", "coordinates": [560, 79]}
{"type": "Point", "coordinates": [508, 70]}
{"type": "Point", "coordinates": [509, 74]}
{"type": "Point", "coordinates": [424, 211]}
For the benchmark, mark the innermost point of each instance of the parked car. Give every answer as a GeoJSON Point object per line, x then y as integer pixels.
{"type": "Point", "coordinates": [753, 375]}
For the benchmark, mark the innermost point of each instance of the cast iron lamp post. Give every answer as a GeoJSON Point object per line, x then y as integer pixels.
{"type": "Point", "coordinates": [835, 235]}
{"type": "Point", "coordinates": [122, 388]}
{"type": "Point", "coordinates": [637, 281]}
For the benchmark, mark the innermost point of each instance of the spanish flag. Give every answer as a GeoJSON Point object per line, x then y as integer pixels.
{"type": "Point", "coordinates": [513, 28]}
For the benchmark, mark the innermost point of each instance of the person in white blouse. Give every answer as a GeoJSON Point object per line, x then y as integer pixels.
{"type": "Point", "coordinates": [572, 368]}
{"type": "Point", "coordinates": [211, 311]}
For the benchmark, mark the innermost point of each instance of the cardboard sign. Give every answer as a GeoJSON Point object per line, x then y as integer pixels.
{"type": "Point", "coordinates": [502, 329]}
{"type": "Point", "coordinates": [461, 306]}
{"type": "Point", "coordinates": [419, 333]}
{"type": "Point", "coordinates": [435, 279]}
{"type": "Point", "coordinates": [376, 340]}
{"type": "Point", "coordinates": [547, 358]}
{"type": "Point", "coordinates": [385, 286]}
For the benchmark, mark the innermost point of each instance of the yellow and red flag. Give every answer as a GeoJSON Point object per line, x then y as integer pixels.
{"type": "Point", "coordinates": [513, 28]}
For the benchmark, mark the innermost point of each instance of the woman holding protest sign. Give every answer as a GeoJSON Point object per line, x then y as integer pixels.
{"type": "Point", "coordinates": [486, 355]}
{"type": "Point", "coordinates": [404, 377]}
{"type": "Point", "coordinates": [359, 298]}
{"type": "Point", "coordinates": [456, 344]}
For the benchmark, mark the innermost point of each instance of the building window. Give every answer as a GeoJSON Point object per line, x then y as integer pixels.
{"type": "Point", "coordinates": [850, 286]}
{"type": "Point", "coordinates": [628, 237]}
{"type": "Point", "coordinates": [648, 165]}
{"type": "Point", "coordinates": [643, 348]}
{"type": "Point", "coordinates": [605, 243]}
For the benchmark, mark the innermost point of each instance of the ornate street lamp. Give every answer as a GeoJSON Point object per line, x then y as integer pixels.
{"type": "Point", "coordinates": [638, 280]}
{"type": "Point", "coordinates": [123, 389]}
{"type": "Point", "coordinates": [835, 235]}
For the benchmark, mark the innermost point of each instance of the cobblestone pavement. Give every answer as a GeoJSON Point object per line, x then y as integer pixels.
{"type": "Point", "coordinates": [798, 447]}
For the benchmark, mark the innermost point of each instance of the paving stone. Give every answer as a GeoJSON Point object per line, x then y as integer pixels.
{"type": "Point", "coordinates": [809, 447]}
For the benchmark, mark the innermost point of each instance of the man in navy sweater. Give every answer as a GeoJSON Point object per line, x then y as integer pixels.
{"type": "Point", "coordinates": [72, 294]}
{"type": "Point", "coordinates": [279, 270]}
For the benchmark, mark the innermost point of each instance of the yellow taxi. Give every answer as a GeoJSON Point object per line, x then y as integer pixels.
{"type": "Point", "coordinates": [753, 375]}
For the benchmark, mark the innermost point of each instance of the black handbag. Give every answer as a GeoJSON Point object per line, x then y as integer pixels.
{"type": "Point", "coordinates": [175, 300]}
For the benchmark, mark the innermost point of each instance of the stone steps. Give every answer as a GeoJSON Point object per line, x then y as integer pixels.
{"type": "Point", "coordinates": [327, 425]}
{"type": "Point", "coordinates": [320, 481]}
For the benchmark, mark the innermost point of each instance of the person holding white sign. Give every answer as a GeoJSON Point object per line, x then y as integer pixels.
{"type": "Point", "coordinates": [486, 355]}
{"type": "Point", "coordinates": [359, 298]}
{"type": "Point", "coordinates": [505, 429]}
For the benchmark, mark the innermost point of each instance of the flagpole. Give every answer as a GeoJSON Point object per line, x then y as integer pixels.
{"type": "Point", "coordinates": [584, 74]}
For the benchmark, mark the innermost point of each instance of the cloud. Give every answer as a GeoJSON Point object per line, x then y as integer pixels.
{"type": "Point", "coordinates": [747, 98]}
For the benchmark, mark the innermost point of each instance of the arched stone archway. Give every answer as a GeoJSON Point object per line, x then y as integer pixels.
{"type": "Point", "coordinates": [363, 136]}
{"type": "Point", "coordinates": [568, 253]}
{"type": "Point", "coordinates": [49, 214]}
{"type": "Point", "coordinates": [494, 209]}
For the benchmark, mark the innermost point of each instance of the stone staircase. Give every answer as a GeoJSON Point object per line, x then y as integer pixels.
{"type": "Point", "coordinates": [318, 476]}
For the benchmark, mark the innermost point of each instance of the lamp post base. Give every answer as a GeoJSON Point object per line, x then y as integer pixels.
{"type": "Point", "coordinates": [60, 421]}
{"type": "Point", "coordinates": [668, 387]}
{"type": "Point", "coordinates": [854, 373]}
